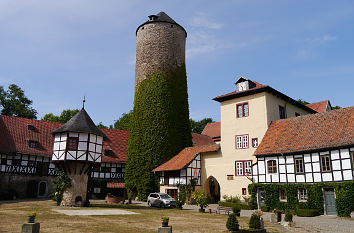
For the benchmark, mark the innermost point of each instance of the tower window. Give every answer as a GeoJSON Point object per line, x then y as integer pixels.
{"type": "Point", "coordinates": [242, 110]}
{"type": "Point", "coordinates": [242, 141]}
{"type": "Point", "coordinates": [72, 143]}
{"type": "Point", "coordinates": [281, 112]}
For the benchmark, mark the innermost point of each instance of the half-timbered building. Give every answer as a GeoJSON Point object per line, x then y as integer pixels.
{"type": "Point", "coordinates": [309, 149]}
{"type": "Point", "coordinates": [26, 150]}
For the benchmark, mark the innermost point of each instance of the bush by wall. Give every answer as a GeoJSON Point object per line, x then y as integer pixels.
{"type": "Point", "coordinates": [307, 212]}
{"type": "Point", "coordinates": [243, 206]}
{"type": "Point", "coordinates": [344, 196]}
{"type": "Point", "coordinates": [160, 128]}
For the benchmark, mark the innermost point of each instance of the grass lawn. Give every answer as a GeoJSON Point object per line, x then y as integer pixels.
{"type": "Point", "coordinates": [13, 215]}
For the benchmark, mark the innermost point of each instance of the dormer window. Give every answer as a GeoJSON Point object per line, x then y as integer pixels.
{"type": "Point", "coordinates": [72, 143]}
{"type": "Point", "coordinates": [31, 127]}
{"type": "Point", "coordinates": [32, 143]}
{"type": "Point", "coordinates": [244, 84]}
{"type": "Point", "coordinates": [108, 152]}
{"type": "Point", "coordinates": [152, 17]}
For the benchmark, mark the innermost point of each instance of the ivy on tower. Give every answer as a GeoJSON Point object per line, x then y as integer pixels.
{"type": "Point", "coordinates": [160, 121]}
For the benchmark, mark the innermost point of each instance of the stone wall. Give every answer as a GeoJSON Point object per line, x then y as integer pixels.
{"type": "Point", "coordinates": [21, 183]}
{"type": "Point", "coordinates": [76, 194]}
{"type": "Point", "coordinates": [160, 47]}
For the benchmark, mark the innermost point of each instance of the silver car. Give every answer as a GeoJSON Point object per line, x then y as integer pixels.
{"type": "Point", "coordinates": [161, 200]}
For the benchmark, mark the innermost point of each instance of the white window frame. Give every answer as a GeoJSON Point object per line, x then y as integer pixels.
{"type": "Point", "coordinates": [242, 141]}
{"type": "Point", "coordinates": [302, 196]}
{"type": "Point", "coordinates": [243, 167]}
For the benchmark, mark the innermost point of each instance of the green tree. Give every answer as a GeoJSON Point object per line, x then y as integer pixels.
{"type": "Point", "coordinates": [64, 117]}
{"type": "Point", "coordinates": [198, 126]}
{"type": "Point", "coordinates": [102, 126]}
{"type": "Point", "coordinates": [336, 107]}
{"type": "Point", "coordinates": [14, 103]}
{"type": "Point", "coordinates": [301, 101]}
{"type": "Point", "coordinates": [159, 129]}
{"type": "Point", "coordinates": [124, 121]}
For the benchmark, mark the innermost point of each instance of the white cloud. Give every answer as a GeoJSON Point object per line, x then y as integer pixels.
{"type": "Point", "coordinates": [201, 42]}
{"type": "Point", "coordinates": [204, 21]}
{"type": "Point", "coordinates": [322, 39]}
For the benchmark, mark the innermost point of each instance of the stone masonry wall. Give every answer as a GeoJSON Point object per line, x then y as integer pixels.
{"type": "Point", "coordinates": [78, 187]}
{"type": "Point", "coordinates": [20, 183]}
{"type": "Point", "coordinates": [160, 47]}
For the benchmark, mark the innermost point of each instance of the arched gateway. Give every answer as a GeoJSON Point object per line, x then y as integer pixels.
{"type": "Point", "coordinates": [212, 189]}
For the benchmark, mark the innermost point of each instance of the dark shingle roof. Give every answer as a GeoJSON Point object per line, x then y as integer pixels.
{"type": "Point", "coordinates": [309, 132]}
{"type": "Point", "coordinates": [161, 17]}
{"type": "Point", "coordinates": [80, 123]}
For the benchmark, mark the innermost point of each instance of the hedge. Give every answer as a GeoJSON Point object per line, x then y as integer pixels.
{"type": "Point", "coordinates": [307, 212]}
{"type": "Point", "coordinates": [344, 196]}
{"type": "Point", "coordinates": [160, 128]}
{"type": "Point", "coordinates": [243, 206]}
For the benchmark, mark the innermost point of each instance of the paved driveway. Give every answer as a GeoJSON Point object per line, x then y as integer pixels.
{"type": "Point", "coordinates": [322, 224]}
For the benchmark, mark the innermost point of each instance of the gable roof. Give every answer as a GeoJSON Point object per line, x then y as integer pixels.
{"type": "Point", "coordinates": [185, 156]}
{"type": "Point", "coordinates": [309, 132]}
{"type": "Point", "coordinates": [213, 130]}
{"type": "Point", "coordinates": [81, 122]}
{"type": "Point", "coordinates": [259, 88]}
{"type": "Point", "coordinates": [319, 106]}
{"type": "Point", "coordinates": [14, 136]}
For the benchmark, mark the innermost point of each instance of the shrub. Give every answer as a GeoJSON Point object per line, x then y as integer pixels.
{"type": "Point", "coordinates": [61, 183]}
{"type": "Point", "coordinates": [233, 199]}
{"type": "Point", "coordinates": [232, 223]}
{"type": "Point", "coordinates": [243, 206]}
{"type": "Point", "coordinates": [199, 197]}
{"type": "Point", "coordinates": [255, 222]}
{"type": "Point", "coordinates": [288, 217]}
{"type": "Point", "coordinates": [236, 209]}
{"type": "Point", "coordinates": [307, 212]}
{"type": "Point", "coordinates": [265, 208]}
{"type": "Point", "coordinates": [181, 196]}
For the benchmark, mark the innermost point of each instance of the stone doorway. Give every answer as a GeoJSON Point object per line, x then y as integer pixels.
{"type": "Point", "coordinates": [42, 189]}
{"type": "Point", "coordinates": [212, 190]}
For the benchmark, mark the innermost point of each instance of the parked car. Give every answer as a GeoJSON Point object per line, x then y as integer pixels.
{"type": "Point", "coordinates": [161, 200]}
{"type": "Point", "coordinates": [8, 194]}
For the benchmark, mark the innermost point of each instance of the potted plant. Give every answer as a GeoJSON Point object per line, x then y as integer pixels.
{"type": "Point", "coordinates": [31, 216]}
{"type": "Point", "coordinates": [259, 214]}
{"type": "Point", "coordinates": [164, 221]}
{"type": "Point", "coordinates": [202, 202]}
{"type": "Point", "coordinates": [236, 209]}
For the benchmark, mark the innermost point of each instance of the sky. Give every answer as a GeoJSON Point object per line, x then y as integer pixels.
{"type": "Point", "coordinates": [60, 51]}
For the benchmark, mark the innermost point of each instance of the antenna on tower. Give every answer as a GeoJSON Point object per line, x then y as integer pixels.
{"type": "Point", "coordinates": [83, 102]}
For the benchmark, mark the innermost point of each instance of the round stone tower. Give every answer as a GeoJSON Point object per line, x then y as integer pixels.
{"type": "Point", "coordinates": [160, 46]}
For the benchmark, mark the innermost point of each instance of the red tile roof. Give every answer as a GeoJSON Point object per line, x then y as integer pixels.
{"type": "Point", "coordinates": [200, 140]}
{"type": "Point", "coordinates": [259, 88]}
{"type": "Point", "coordinates": [184, 157]}
{"type": "Point", "coordinates": [14, 135]}
{"type": "Point", "coordinates": [258, 85]}
{"type": "Point", "coordinates": [309, 132]}
{"type": "Point", "coordinates": [319, 106]}
{"type": "Point", "coordinates": [212, 130]}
